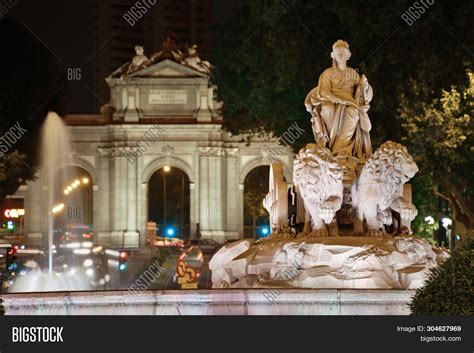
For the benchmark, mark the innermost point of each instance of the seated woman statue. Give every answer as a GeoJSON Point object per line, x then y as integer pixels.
{"type": "Point", "coordinates": [339, 106]}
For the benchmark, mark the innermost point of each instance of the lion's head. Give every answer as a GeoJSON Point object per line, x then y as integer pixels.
{"type": "Point", "coordinates": [390, 167]}
{"type": "Point", "coordinates": [392, 159]}
{"type": "Point", "coordinates": [315, 172]}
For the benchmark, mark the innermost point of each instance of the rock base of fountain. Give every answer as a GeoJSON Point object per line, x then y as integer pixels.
{"type": "Point", "coordinates": [325, 262]}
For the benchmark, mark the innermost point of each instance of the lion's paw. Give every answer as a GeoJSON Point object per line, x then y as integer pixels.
{"type": "Point", "coordinates": [408, 212]}
{"type": "Point", "coordinates": [327, 214]}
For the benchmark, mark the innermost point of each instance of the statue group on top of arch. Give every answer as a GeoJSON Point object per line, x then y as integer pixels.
{"type": "Point", "coordinates": [189, 58]}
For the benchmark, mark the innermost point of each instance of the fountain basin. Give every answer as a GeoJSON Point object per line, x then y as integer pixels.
{"type": "Point", "coordinates": [213, 302]}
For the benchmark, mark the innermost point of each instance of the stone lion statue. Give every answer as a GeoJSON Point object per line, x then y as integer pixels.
{"type": "Point", "coordinates": [379, 188]}
{"type": "Point", "coordinates": [318, 178]}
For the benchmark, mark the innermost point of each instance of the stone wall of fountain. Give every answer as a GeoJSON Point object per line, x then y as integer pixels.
{"type": "Point", "coordinates": [213, 302]}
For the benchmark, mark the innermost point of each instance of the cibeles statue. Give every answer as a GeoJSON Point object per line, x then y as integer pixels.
{"type": "Point", "coordinates": [339, 106]}
{"type": "Point", "coordinates": [348, 198]}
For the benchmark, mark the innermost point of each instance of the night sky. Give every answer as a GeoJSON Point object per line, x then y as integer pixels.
{"type": "Point", "coordinates": [65, 29]}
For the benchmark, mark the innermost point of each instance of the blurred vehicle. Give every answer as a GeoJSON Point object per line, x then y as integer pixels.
{"type": "Point", "coordinates": [16, 261]}
{"type": "Point", "coordinates": [75, 232]}
{"type": "Point", "coordinates": [91, 261]}
{"type": "Point", "coordinates": [169, 242]}
{"type": "Point", "coordinates": [208, 245]}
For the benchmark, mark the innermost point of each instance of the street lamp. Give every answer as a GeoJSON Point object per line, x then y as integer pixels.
{"type": "Point", "coordinates": [447, 223]}
{"type": "Point", "coordinates": [57, 208]}
{"type": "Point", "coordinates": [430, 220]}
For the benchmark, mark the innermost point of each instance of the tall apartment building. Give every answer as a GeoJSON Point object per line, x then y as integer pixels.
{"type": "Point", "coordinates": [187, 21]}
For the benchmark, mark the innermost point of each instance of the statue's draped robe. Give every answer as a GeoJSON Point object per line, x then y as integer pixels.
{"type": "Point", "coordinates": [346, 86]}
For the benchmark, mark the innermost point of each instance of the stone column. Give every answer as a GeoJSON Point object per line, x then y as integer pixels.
{"type": "Point", "coordinates": [217, 202]}
{"type": "Point", "coordinates": [232, 218]}
{"type": "Point", "coordinates": [203, 189]}
{"type": "Point", "coordinates": [241, 210]}
{"type": "Point", "coordinates": [192, 210]}
{"type": "Point", "coordinates": [131, 236]}
{"type": "Point", "coordinates": [102, 198]}
{"type": "Point", "coordinates": [212, 194]}
{"type": "Point", "coordinates": [118, 197]}
{"type": "Point", "coordinates": [143, 211]}
{"type": "Point", "coordinates": [204, 114]}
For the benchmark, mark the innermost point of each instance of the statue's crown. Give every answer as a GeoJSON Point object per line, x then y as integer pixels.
{"type": "Point", "coordinates": [340, 44]}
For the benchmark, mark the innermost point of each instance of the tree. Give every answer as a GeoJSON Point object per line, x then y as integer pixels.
{"type": "Point", "coordinates": [29, 77]}
{"type": "Point", "coordinates": [440, 135]}
{"type": "Point", "coordinates": [448, 289]}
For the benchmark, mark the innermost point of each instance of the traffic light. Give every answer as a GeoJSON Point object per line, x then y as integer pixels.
{"type": "Point", "coordinates": [11, 259]}
{"type": "Point", "coordinates": [123, 261]}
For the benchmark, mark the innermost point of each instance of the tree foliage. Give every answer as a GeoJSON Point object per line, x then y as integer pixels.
{"type": "Point", "coordinates": [448, 290]}
{"type": "Point", "coordinates": [440, 137]}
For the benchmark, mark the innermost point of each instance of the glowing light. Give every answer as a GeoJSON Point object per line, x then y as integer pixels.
{"type": "Point", "coordinates": [166, 168]}
{"type": "Point", "coordinates": [123, 266]}
{"type": "Point", "coordinates": [107, 278]}
{"type": "Point", "coordinates": [66, 192]}
{"type": "Point", "coordinates": [71, 245]}
{"type": "Point", "coordinates": [429, 220]}
{"type": "Point", "coordinates": [57, 208]}
{"type": "Point", "coordinates": [88, 263]}
{"type": "Point", "coordinates": [170, 232]}
{"type": "Point", "coordinates": [14, 213]}
{"type": "Point", "coordinates": [81, 251]}
{"type": "Point", "coordinates": [447, 222]}
{"type": "Point", "coordinates": [85, 180]}
{"type": "Point", "coordinates": [112, 263]}
{"type": "Point", "coordinates": [97, 249]}
{"type": "Point", "coordinates": [112, 252]}
{"type": "Point", "coordinates": [90, 272]}
{"type": "Point", "coordinates": [69, 188]}
{"type": "Point", "coordinates": [77, 182]}
{"type": "Point", "coordinates": [265, 231]}
{"type": "Point", "coordinates": [87, 244]}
